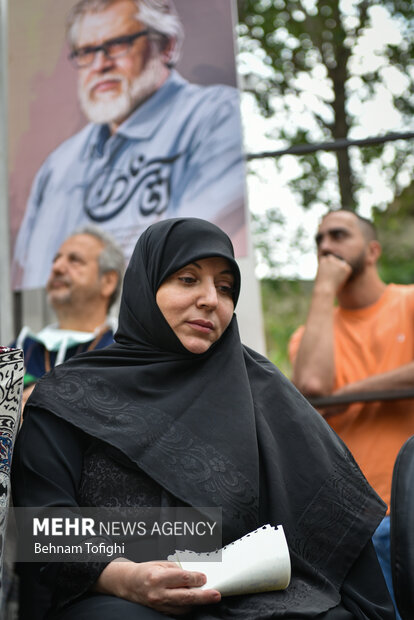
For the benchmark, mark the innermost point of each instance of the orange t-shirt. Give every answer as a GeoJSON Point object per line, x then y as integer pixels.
{"type": "Point", "coordinates": [371, 341]}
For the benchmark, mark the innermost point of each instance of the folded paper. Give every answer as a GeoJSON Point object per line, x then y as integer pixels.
{"type": "Point", "coordinates": [257, 562]}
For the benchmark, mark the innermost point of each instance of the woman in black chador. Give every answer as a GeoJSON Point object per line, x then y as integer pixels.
{"type": "Point", "coordinates": [179, 413]}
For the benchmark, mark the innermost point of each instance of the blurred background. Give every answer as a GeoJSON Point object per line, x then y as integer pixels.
{"type": "Point", "coordinates": [315, 75]}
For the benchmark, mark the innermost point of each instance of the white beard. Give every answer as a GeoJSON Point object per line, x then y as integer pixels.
{"type": "Point", "coordinates": [117, 109]}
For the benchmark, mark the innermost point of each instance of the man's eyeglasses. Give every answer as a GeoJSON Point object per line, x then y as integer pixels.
{"type": "Point", "coordinates": [113, 48]}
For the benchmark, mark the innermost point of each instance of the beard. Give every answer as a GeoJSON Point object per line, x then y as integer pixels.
{"type": "Point", "coordinates": [59, 290]}
{"type": "Point", "coordinates": [59, 298]}
{"type": "Point", "coordinates": [117, 109]}
{"type": "Point", "coordinates": [358, 265]}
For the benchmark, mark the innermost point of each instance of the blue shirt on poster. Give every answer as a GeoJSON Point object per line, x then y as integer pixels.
{"type": "Point", "coordinates": [178, 155]}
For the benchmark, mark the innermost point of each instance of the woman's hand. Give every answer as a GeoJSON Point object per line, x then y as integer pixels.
{"type": "Point", "coordinates": [160, 585]}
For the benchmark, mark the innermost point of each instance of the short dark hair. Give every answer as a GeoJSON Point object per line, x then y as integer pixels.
{"type": "Point", "coordinates": [366, 225]}
{"type": "Point", "coordinates": [110, 259]}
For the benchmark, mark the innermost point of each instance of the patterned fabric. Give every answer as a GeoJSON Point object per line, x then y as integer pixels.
{"type": "Point", "coordinates": [11, 382]}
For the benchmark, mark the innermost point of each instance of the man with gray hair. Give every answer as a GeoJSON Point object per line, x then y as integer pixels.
{"type": "Point", "coordinates": [156, 145]}
{"type": "Point", "coordinates": [84, 282]}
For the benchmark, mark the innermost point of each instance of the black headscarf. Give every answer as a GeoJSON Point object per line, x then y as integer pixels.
{"type": "Point", "coordinates": [223, 428]}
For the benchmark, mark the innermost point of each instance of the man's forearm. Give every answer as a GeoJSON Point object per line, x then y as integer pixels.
{"type": "Point", "coordinates": [398, 379]}
{"type": "Point", "coordinates": [313, 369]}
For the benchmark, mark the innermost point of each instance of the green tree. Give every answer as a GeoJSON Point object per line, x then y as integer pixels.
{"type": "Point", "coordinates": [395, 228]}
{"type": "Point", "coordinates": [312, 61]}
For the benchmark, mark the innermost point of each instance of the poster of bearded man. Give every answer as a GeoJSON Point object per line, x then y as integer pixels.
{"type": "Point", "coordinates": [123, 112]}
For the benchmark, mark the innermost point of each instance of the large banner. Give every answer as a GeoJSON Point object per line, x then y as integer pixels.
{"type": "Point", "coordinates": [107, 129]}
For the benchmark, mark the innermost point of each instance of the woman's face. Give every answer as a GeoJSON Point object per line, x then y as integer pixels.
{"type": "Point", "coordinates": [197, 302]}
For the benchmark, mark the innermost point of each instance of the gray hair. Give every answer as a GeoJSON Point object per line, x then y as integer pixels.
{"type": "Point", "coordinates": [110, 259]}
{"type": "Point", "coordinates": [160, 17]}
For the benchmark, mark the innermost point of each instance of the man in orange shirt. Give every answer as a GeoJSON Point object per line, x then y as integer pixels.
{"type": "Point", "coordinates": [364, 344]}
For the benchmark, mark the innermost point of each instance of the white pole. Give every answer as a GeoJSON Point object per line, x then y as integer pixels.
{"type": "Point", "coordinates": [6, 298]}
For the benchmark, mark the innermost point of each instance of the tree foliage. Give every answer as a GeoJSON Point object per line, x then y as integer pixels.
{"type": "Point", "coordinates": [395, 228]}
{"type": "Point", "coordinates": [314, 79]}
{"type": "Point", "coordinates": [285, 307]}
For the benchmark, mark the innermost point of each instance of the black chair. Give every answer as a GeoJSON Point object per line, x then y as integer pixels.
{"type": "Point", "coordinates": [402, 530]}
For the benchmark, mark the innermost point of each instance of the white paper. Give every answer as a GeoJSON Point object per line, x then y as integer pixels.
{"type": "Point", "coordinates": [258, 562]}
